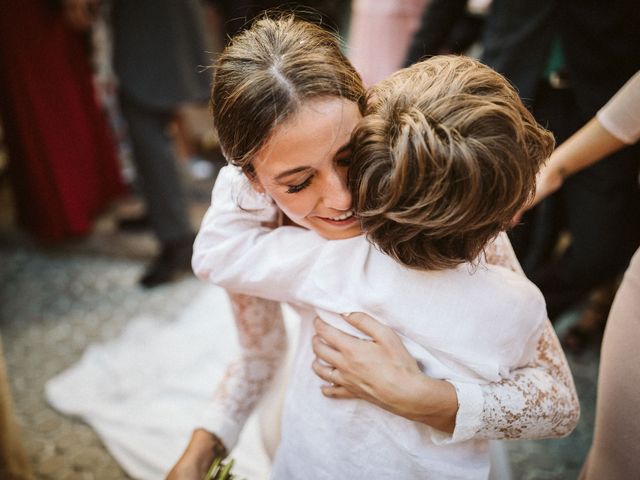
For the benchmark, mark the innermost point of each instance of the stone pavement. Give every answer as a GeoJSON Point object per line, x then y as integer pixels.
{"type": "Point", "coordinates": [54, 302]}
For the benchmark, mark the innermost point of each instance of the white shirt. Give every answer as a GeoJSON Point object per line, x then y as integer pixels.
{"type": "Point", "coordinates": [470, 325]}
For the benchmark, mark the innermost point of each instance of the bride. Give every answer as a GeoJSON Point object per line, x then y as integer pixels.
{"type": "Point", "coordinates": [537, 401]}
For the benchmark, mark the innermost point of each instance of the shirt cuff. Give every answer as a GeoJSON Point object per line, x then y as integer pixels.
{"type": "Point", "coordinates": [468, 418]}
{"type": "Point", "coordinates": [220, 424]}
{"type": "Point", "coordinates": [615, 126]}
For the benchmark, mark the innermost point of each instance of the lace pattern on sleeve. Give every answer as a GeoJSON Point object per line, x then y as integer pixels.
{"type": "Point", "coordinates": [263, 340]}
{"type": "Point", "coordinates": [500, 252]}
{"type": "Point", "coordinates": [539, 400]}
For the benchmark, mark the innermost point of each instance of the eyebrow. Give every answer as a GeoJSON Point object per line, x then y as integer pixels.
{"type": "Point", "coordinates": [292, 171]}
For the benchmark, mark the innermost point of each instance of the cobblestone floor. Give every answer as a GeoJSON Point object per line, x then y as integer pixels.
{"type": "Point", "coordinates": [54, 302]}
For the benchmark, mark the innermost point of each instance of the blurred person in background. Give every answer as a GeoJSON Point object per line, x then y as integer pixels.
{"type": "Point", "coordinates": [61, 158]}
{"type": "Point", "coordinates": [62, 165]}
{"type": "Point", "coordinates": [448, 27]}
{"type": "Point", "coordinates": [613, 454]}
{"type": "Point", "coordinates": [567, 58]}
{"type": "Point", "coordinates": [158, 48]}
{"type": "Point", "coordinates": [238, 14]}
{"type": "Point", "coordinates": [380, 32]}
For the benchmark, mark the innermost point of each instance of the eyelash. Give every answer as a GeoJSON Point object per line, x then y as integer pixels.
{"type": "Point", "coordinates": [342, 162]}
{"type": "Point", "coordinates": [299, 187]}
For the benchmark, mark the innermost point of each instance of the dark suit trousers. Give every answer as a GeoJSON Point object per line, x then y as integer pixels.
{"type": "Point", "coordinates": [155, 161]}
{"type": "Point", "coordinates": [598, 208]}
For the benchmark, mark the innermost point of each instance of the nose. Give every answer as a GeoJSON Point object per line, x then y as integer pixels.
{"type": "Point", "coordinates": [336, 194]}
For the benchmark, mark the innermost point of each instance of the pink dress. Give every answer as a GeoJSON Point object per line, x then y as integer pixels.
{"type": "Point", "coordinates": [380, 34]}
{"type": "Point", "coordinates": [614, 452]}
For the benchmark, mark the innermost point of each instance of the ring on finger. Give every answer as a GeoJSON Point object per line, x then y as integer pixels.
{"type": "Point", "coordinates": [331, 373]}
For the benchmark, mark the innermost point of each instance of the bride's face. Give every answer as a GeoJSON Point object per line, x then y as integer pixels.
{"type": "Point", "coordinates": [304, 165]}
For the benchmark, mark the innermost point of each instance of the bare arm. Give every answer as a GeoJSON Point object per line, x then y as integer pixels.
{"type": "Point", "coordinates": [590, 144]}
{"type": "Point", "coordinates": [616, 125]}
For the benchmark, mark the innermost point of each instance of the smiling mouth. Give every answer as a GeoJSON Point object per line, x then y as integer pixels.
{"type": "Point", "coordinates": [343, 217]}
{"type": "Point", "coordinates": [346, 218]}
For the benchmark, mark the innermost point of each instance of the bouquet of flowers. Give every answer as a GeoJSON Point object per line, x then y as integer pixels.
{"type": "Point", "coordinates": [220, 470]}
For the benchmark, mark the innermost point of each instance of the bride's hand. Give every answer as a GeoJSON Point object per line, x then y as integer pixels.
{"type": "Point", "coordinates": [194, 463]}
{"type": "Point", "coordinates": [380, 371]}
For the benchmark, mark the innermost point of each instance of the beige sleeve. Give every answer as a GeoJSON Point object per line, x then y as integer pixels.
{"type": "Point", "coordinates": [621, 115]}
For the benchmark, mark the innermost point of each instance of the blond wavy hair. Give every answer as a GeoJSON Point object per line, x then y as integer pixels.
{"type": "Point", "coordinates": [444, 158]}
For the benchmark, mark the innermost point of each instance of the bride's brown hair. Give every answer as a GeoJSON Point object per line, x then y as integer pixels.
{"type": "Point", "coordinates": [265, 74]}
{"type": "Point", "coordinates": [444, 158]}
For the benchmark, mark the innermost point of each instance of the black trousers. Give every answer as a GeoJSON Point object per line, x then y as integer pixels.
{"type": "Point", "coordinates": [598, 208]}
{"type": "Point", "coordinates": [157, 168]}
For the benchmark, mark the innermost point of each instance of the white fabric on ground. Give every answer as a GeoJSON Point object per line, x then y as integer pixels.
{"type": "Point", "coordinates": [143, 392]}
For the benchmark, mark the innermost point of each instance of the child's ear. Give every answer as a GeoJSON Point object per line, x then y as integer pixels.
{"type": "Point", "coordinates": [255, 183]}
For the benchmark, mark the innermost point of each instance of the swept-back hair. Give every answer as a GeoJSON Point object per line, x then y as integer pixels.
{"type": "Point", "coordinates": [444, 158]}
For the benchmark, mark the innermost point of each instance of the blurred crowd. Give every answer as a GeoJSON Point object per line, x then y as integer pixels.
{"type": "Point", "coordinates": [91, 90]}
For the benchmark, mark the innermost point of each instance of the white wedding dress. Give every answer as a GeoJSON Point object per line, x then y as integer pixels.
{"type": "Point", "coordinates": [143, 391]}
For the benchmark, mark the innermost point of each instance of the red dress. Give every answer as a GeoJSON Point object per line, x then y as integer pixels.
{"type": "Point", "coordinates": [62, 160]}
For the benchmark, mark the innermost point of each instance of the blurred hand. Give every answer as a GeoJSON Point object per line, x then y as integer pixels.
{"type": "Point", "coordinates": [380, 371]}
{"type": "Point", "coordinates": [79, 14]}
{"type": "Point", "coordinates": [194, 463]}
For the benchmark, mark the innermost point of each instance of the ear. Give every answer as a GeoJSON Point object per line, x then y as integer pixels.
{"type": "Point", "coordinates": [255, 182]}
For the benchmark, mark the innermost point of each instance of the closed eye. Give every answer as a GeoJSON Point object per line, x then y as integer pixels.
{"type": "Point", "coordinates": [300, 186]}
{"type": "Point", "coordinates": [344, 161]}
{"type": "Point", "coordinates": [343, 157]}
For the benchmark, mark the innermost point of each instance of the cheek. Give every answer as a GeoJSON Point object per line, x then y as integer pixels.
{"type": "Point", "coordinates": [295, 206]}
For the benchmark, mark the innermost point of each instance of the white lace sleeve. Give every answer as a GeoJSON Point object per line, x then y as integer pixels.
{"type": "Point", "coordinates": [538, 400]}
{"type": "Point", "coordinates": [263, 342]}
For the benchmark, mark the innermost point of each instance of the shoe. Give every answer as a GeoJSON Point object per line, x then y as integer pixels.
{"type": "Point", "coordinates": [173, 263]}
{"type": "Point", "coordinates": [134, 224]}
{"type": "Point", "coordinates": [589, 328]}
{"type": "Point", "coordinates": [578, 338]}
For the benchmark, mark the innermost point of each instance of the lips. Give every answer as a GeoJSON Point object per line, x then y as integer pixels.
{"type": "Point", "coordinates": [344, 216]}
{"type": "Point", "coordinates": [347, 219]}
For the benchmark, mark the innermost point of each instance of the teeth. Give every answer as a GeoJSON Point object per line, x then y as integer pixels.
{"type": "Point", "coordinates": [344, 216]}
